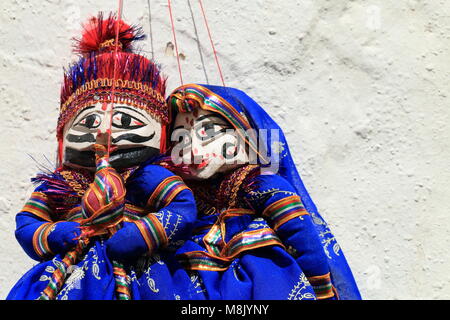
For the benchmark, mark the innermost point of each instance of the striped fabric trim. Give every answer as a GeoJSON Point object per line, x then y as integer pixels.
{"type": "Point", "coordinates": [40, 243]}
{"type": "Point", "coordinates": [200, 260]}
{"type": "Point", "coordinates": [322, 286]}
{"type": "Point", "coordinates": [102, 163]}
{"type": "Point", "coordinates": [202, 96]}
{"type": "Point", "coordinates": [110, 202]}
{"type": "Point", "coordinates": [132, 213]}
{"type": "Point", "coordinates": [102, 187]}
{"type": "Point", "coordinates": [120, 276]}
{"type": "Point", "coordinates": [249, 240]}
{"type": "Point", "coordinates": [114, 212]}
{"type": "Point", "coordinates": [283, 210]}
{"type": "Point", "coordinates": [37, 205]}
{"type": "Point", "coordinates": [244, 241]}
{"type": "Point", "coordinates": [75, 214]}
{"type": "Point", "coordinates": [152, 231]}
{"type": "Point", "coordinates": [165, 192]}
{"type": "Point", "coordinates": [213, 240]}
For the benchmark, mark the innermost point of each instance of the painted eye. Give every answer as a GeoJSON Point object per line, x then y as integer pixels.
{"type": "Point", "coordinates": [125, 121]}
{"type": "Point", "coordinates": [209, 130]}
{"type": "Point", "coordinates": [91, 121]}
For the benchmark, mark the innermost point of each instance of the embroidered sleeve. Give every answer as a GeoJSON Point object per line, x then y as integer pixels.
{"type": "Point", "coordinates": [283, 210]}
{"type": "Point", "coordinates": [33, 224]}
{"type": "Point", "coordinates": [165, 192]}
{"type": "Point", "coordinates": [40, 244]}
{"type": "Point", "coordinates": [282, 207]}
{"type": "Point", "coordinates": [152, 231]}
{"type": "Point", "coordinates": [322, 286]}
{"type": "Point", "coordinates": [170, 202]}
{"type": "Point", "coordinates": [38, 206]}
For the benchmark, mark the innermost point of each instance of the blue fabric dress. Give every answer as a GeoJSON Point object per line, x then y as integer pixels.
{"type": "Point", "coordinates": [269, 242]}
{"type": "Point", "coordinates": [151, 190]}
{"type": "Point", "coordinates": [241, 251]}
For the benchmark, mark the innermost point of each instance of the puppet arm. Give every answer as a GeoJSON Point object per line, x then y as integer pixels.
{"type": "Point", "coordinates": [277, 201]}
{"type": "Point", "coordinates": [40, 237]}
{"type": "Point", "coordinates": [172, 212]}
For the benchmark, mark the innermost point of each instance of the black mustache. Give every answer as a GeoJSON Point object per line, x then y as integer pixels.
{"type": "Point", "coordinates": [89, 137]}
{"type": "Point", "coordinates": [133, 138]}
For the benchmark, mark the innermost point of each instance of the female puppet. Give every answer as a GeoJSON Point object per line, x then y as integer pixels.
{"type": "Point", "coordinates": [259, 235]}
{"type": "Point", "coordinates": [102, 225]}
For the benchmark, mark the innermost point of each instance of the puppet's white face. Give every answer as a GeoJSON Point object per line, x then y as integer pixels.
{"type": "Point", "coordinates": [135, 136]}
{"type": "Point", "coordinates": [207, 143]}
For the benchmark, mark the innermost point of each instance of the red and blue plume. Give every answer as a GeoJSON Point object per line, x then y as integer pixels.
{"type": "Point", "coordinates": [99, 35]}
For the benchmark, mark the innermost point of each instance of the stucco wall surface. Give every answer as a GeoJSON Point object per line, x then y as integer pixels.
{"type": "Point", "coordinates": [361, 89]}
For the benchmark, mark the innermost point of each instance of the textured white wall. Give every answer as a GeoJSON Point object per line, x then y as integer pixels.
{"type": "Point", "coordinates": [360, 88]}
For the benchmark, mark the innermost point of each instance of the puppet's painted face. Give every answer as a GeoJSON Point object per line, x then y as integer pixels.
{"type": "Point", "coordinates": [207, 143]}
{"type": "Point", "coordinates": [135, 136]}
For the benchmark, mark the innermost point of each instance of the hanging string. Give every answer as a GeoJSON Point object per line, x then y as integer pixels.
{"type": "Point", "coordinates": [199, 47]}
{"type": "Point", "coordinates": [113, 88]}
{"type": "Point", "coordinates": [151, 31]}
{"type": "Point", "coordinates": [212, 43]}
{"type": "Point", "coordinates": [175, 41]}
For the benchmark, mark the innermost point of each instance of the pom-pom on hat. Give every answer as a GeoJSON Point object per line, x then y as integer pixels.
{"type": "Point", "coordinates": [138, 81]}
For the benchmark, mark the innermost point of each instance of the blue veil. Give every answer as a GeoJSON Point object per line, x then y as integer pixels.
{"type": "Point", "coordinates": [245, 113]}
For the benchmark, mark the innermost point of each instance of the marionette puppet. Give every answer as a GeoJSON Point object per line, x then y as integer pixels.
{"type": "Point", "coordinates": [105, 223]}
{"type": "Point", "coordinates": [258, 234]}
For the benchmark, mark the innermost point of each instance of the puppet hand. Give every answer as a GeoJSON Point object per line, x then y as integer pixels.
{"type": "Point", "coordinates": [104, 200]}
{"type": "Point", "coordinates": [63, 237]}
{"type": "Point", "coordinates": [126, 244]}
